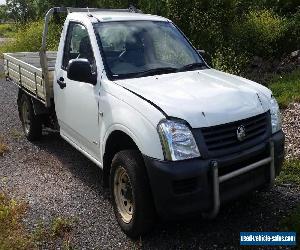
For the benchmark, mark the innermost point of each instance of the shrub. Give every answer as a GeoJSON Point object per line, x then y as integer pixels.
{"type": "Point", "coordinates": [29, 42]}
{"type": "Point", "coordinates": [259, 33]}
{"type": "Point", "coordinates": [206, 23]}
{"type": "Point", "coordinates": [33, 39]}
{"type": "Point", "coordinates": [7, 30]}
{"type": "Point", "coordinates": [291, 41]}
{"type": "Point", "coordinates": [234, 31]}
{"type": "Point", "coordinates": [226, 59]}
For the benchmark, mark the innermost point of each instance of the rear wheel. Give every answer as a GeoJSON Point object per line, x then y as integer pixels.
{"type": "Point", "coordinates": [131, 195]}
{"type": "Point", "coordinates": [31, 123]}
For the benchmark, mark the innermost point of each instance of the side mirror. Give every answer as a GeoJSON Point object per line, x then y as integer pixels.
{"type": "Point", "coordinates": [206, 56]}
{"type": "Point", "coordinates": [80, 70]}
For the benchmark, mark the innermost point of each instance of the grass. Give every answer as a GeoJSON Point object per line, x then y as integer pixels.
{"type": "Point", "coordinates": [58, 232]}
{"type": "Point", "coordinates": [61, 226]}
{"type": "Point", "coordinates": [13, 234]}
{"type": "Point", "coordinates": [290, 173]}
{"type": "Point", "coordinates": [286, 88]}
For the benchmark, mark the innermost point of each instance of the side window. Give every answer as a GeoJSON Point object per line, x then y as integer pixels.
{"type": "Point", "coordinates": [77, 45]}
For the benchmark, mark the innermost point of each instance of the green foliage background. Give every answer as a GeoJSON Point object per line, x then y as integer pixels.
{"type": "Point", "coordinates": [231, 31]}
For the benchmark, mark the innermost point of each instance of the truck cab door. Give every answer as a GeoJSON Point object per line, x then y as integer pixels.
{"type": "Point", "coordinates": [77, 102]}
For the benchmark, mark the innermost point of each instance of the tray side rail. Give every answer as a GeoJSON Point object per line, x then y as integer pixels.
{"type": "Point", "coordinates": [25, 76]}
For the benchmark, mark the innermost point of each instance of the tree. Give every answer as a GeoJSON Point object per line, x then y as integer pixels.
{"type": "Point", "coordinates": [3, 13]}
{"type": "Point", "coordinates": [20, 10]}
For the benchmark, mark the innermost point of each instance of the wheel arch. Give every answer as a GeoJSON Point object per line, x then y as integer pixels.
{"type": "Point", "coordinates": [38, 107]}
{"type": "Point", "coordinates": [116, 141]}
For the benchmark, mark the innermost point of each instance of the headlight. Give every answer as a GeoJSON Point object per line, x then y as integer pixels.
{"type": "Point", "coordinates": [275, 116]}
{"type": "Point", "coordinates": [177, 140]}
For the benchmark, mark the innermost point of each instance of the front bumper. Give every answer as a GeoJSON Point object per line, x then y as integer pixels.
{"type": "Point", "coordinates": [201, 185]}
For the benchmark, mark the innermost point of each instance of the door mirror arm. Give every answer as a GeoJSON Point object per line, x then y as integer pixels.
{"type": "Point", "coordinates": [201, 51]}
{"type": "Point", "coordinates": [80, 70]}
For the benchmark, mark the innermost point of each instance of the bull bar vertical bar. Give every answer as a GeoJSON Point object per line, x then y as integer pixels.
{"type": "Point", "coordinates": [216, 179]}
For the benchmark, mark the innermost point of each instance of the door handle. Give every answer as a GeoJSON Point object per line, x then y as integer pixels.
{"type": "Point", "coordinates": [61, 83]}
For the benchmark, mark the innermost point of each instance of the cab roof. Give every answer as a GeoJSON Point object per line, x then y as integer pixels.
{"type": "Point", "coordinates": [109, 16]}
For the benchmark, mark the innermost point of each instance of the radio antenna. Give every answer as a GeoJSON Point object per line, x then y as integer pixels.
{"type": "Point", "coordinates": [89, 13]}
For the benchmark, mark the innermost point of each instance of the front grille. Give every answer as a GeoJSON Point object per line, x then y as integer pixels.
{"type": "Point", "coordinates": [228, 168]}
{"type": "Point", "coordinates": [225, 136]}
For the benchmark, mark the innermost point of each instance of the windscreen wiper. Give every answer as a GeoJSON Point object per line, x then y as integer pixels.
{"type": "Point", "coordinates": [157, 71]}
{"type": "Point", "coordinates": [192, 66]}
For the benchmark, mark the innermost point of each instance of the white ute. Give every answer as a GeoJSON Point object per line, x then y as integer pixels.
{"type": "Point", "coordinates": [173, 136]}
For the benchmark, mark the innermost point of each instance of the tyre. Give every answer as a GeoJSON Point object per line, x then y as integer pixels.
{"type": "Point", "coordinates": [31, 123]}
{"type": "Point", "coordinates": [131, 194]}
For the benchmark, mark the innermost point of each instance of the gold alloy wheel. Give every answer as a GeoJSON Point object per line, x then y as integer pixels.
{"type": "Point", "coordinates": [25, 117]}
{"type": "Point", "coordinates": [123, 194]}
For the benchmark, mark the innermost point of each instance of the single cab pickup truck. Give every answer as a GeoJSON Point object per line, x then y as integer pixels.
{"type": "Point", "coordinates": [173, 136]}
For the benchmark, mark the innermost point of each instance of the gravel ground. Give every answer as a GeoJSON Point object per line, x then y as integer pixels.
{"type": "Point", "coordinates": [291, 128]}
{"type": "Point", "coordinates": [56, 180]}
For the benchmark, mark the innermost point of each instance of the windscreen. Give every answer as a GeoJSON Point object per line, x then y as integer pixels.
{"type": "Point", "coordinates": [139, 48]}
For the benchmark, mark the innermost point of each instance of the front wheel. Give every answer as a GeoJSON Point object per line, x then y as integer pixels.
{"type": "Point", "coordinates": [31, 123]}
{"type": "Point", "coordinates": [131, 195]}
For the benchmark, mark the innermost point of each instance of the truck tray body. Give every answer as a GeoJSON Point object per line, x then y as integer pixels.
{"type": "Point", "coordinates": [24, 69]}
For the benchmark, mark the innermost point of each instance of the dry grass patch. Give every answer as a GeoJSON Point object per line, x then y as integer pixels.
{"type": "Point", "coordinates": [13, 234]}
{"type": "Point", "coordinates": [3, 147]}
{"type": "Point", "coordinates": [17, 134]}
